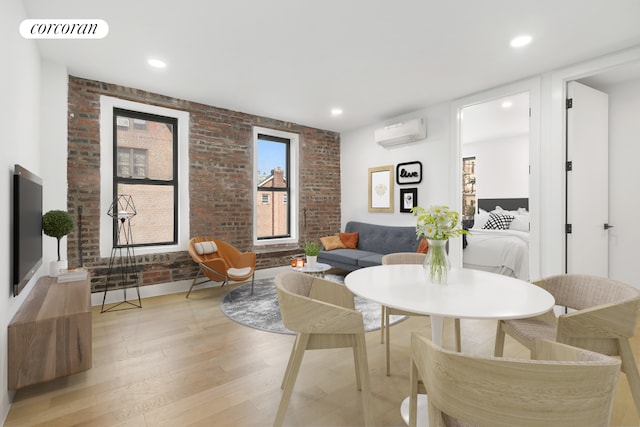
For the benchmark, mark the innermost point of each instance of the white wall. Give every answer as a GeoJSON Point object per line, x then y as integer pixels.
{"type": "Point", "coordinates": [19, 121]}
{"type": "Point", "coordinates": [33, 109]}
{"type": "Point", "coordinates": [624, 199]}
{"type": "Point", "coordinates": [502, 167]}
{"type": "Point", "coordinates": [359, 152]}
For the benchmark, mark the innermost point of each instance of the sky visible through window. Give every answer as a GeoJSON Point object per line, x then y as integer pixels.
{"type": "Point", "coordinates": [271, 155]}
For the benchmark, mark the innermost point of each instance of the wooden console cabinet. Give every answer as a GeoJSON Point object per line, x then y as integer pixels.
{"type": "Point", "coordinates": [50, 335]}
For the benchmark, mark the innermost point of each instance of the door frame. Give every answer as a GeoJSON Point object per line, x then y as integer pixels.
{"type": "Point", "coordinates": [553, 250]}
{"type": "Point", "coordinates": [533, 86]}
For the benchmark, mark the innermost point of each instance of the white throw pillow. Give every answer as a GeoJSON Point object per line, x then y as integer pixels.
{"type": "Point", "coordinates": [480, 219]}
{"type": "Point", "coordinates": [520, 223]}
{"type": "Point", "coordinates": [208, 247]}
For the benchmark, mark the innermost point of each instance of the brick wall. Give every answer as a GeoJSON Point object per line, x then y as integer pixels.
{"type": "Point", "coordinates": [221, 181]}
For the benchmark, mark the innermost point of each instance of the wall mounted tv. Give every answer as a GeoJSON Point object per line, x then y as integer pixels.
{"type": "Point", "coordinates": [27, 227]}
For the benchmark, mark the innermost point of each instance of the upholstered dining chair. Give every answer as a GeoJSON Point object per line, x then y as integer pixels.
{"type": "Point", "coordinates": [566, 387]}
{"type": "Point", "coordinates": [603, 318]}
{"type": "Point", "coordinates": [403, 258]}
{"type": "Point", "coordinates": [323, 315]}
{"type": "Point", "coordinates": [220, 261]}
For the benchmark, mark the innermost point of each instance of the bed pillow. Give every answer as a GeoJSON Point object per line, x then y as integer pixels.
{"type": "Point", "coordinates": [520, 223]}
{"type": "Point", "coordinates": [480, 219]}
{"type": "Point", "coordinates": [498, 222]}
{"type": "Point", "coordinates": [350, 240]}
{"type": "Point", "coordinates": [332, 242]}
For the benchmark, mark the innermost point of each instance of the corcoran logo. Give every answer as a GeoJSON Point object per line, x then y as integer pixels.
{"type": "Point", "coordinates": [64, 28]}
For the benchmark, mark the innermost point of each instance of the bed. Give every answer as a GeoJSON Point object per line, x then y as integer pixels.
{"type": "Point", "coordinates": [499, 239]}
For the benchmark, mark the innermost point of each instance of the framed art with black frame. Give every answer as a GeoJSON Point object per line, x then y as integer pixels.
{"type": "Point", "coordinates": [409, 173]}
{"type": "Point", "coordinates": [408, 199]}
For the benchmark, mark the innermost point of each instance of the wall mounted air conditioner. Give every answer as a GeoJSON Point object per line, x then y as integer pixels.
{"type": "Point", "coordinates": [401, 133]}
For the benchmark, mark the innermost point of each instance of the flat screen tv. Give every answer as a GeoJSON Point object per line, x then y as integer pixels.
{"type": "Point", "coordinates": [27, 227]}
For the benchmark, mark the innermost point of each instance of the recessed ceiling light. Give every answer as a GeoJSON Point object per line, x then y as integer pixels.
{"type": "Point", "coordinates": [157, 63]}
{"type": "Point", "coordinates": [336, 111]}
{"type": "Point", "coordinates": [507, 104]}
{"type": "Point", "coordinates": [521, 41]}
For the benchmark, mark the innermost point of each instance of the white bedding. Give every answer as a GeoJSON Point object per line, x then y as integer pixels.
{"type": "Point", "coordinates": [499, 250]}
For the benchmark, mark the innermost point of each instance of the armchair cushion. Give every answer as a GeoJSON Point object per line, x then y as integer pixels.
{"type": "Point", "coordinates": [207, 247]}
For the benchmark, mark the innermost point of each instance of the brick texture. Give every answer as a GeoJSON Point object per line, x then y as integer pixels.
{"type": "Point", "coordinates": [221, 184]}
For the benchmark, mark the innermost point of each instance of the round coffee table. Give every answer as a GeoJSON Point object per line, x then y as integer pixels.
{"type": "Point", "coordinates": [318, 268]}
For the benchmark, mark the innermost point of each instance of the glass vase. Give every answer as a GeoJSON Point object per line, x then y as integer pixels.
{"type": "Point", "coordinates": [436, 263]}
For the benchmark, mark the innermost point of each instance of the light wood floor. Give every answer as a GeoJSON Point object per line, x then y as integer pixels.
{"type": "Point", "coordinates": [181, 362]}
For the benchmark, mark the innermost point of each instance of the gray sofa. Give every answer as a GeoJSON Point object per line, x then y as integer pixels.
{"type": "Point", "coordinates": [374, 241]}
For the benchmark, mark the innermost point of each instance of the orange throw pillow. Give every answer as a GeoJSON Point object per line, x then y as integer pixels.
{"type": "Point", "coordinates": [332, 242]}
{"type": "Point", "coordinates": [423, 246]}
{"type": "Point", "coordinates": [350, 240]}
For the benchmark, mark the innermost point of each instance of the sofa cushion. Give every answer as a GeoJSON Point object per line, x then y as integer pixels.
{"type": "Point", "coordinates": [370, 260]}
{"type": "Point", "coordinates": [345, 256]}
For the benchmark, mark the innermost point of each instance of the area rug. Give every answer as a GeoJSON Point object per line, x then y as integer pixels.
{"type": "Point", "coordinates": [262, 311]}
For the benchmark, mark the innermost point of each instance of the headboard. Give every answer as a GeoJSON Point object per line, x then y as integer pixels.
{"type": "Point", "coordinates": [506, 204]}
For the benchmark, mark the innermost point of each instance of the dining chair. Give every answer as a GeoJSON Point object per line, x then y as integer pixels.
{"type": "Point", "coordinates": [601, 316]}
{"type": "Point", "coordinates": [403, 258]}
{"type": "Point", "coordinates": [220, 261]}
{"type": "Point", "coordinates": [566, 387]}
{"type": "Point", "coordinates": [323, 315]}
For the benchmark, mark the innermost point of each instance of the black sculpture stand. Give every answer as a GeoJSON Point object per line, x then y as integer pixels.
{"type": "Point", "coordinates": [122, 272]}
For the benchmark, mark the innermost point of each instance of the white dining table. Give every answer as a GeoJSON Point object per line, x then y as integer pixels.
{"type": "Point", "coordinates": [468, 294]}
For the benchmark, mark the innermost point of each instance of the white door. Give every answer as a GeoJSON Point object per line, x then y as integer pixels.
{"type": "Point", "coordinates": [587, 247]}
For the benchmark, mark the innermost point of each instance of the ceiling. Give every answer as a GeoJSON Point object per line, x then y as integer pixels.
{"type": "Point", "coordinates": [295, 60]}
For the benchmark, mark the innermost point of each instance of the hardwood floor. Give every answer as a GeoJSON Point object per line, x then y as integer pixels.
{"type": "Point", "coordinates": [181, 362]}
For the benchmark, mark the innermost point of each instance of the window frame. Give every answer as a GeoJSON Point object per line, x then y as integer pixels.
{"type": "Point", "coordinates": [140, 117]}
{"type": "Point", "coordinates": [107, 104]}
{"type": "Point", "coordinates": [292, 180]}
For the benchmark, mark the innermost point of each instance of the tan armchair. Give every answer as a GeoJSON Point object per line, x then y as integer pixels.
{"type": "Point", "coordinates": [323, 315]}
{"type": "Point", "coordinates": [219, 261]}
{"type": "Point", "coordinates": [605, 318]}
{"type": "Point", "coordinates": [567, 387]}
{"type": "Point", "coordinates": [403, 258]}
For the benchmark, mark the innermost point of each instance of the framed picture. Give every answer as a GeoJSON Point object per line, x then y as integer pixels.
{"type": "Point", "coordinates": [408, 199]}
{"type": "Point", "coordinates": [381, 189]}
{"type": "Point", "coordinates": [409, 173]}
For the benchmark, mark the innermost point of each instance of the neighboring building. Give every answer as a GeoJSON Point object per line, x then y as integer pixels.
{"type": "Point", "coordinates": [272, 212]}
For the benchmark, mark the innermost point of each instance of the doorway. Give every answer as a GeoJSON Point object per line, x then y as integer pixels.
{"type": "Point", "coordinates": [460, 112]}
{"type": "Point", "coordinates": [495, 181]}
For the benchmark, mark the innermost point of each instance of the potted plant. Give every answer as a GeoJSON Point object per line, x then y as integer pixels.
{"type": "Point", "coordinates": [57, 224]}
{"type": "Point", "coordinates": [311, 250]}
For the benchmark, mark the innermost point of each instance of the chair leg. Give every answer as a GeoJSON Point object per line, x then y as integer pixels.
{"type": "Point", "coordinates": [253, 279]}
{"type": "Point", "coordinates": [630, 368]}
{"type": "Point", "coordinates": [456, 323]}
{"type": "Point", "coordinates": [388, 343]}
{"type": "Point", "coordinates": [499, 346]}
{"type": "Point", "coordinates": [356, 363]}
{"type": "Point", "coordinates": [194, 282]}
{"type": "Point", "coordinates": [290, 380]}
{"type": "Point", "coordinates": [363, 367]}
{"type": "Point", "coordinates": [286, 372]}
{"type": "Point", "coordinates": [413, 396]}
{"type": "Point", "coordinates": [382, 310]}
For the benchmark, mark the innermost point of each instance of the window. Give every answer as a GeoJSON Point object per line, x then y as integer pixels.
{"type": "Point", "coordinates": [132, 162]}
{"type": "Point", "coordinates": [468, 187]}
{"type": "Point", "coordinates": [109, 106]}
{"type": "Point", "coordinates": [145, 167]}
{"type": "Point", "coordinates": [275, 172]}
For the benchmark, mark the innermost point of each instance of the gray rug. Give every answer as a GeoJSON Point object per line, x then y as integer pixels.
{"type": "Point", "coordinates": [262, 311]}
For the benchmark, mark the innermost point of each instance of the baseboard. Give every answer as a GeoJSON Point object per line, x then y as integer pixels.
{"type": "Point", "coordinates": [168, 288]}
